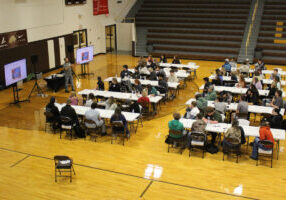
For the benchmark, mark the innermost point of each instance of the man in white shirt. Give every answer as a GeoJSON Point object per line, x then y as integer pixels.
{"type": "Point", "coordinates": [94, 115]}
{"type": "Point", "coordinates": [192, 111]}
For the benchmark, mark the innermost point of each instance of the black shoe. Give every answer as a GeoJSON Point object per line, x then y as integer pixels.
{"type": "Point", "coordinates": [253, 158]}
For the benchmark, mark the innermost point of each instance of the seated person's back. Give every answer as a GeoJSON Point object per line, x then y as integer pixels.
{"type": "Point", "coordinates": [176, 125]}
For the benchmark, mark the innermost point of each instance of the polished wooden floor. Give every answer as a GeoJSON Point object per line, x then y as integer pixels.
{"type": "Point", "coordinates": [142, 169]}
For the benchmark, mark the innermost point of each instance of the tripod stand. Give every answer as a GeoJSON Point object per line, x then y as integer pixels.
{"type": "Point", "coordinates": [83, 70]}
{"type": "Point", "coordinates": [16, 95]}
{"type": "Point", "coordinates": [36, 87]}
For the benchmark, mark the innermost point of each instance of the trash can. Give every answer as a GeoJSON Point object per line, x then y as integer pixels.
{"type": "Point", "coordinates": [258, 53]}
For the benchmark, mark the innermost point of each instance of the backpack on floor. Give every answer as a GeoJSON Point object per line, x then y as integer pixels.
{"type": "Point", "coordinates": [211, 148]}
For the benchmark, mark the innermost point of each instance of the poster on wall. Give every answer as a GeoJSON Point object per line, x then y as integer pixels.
{"type": "Point", "coordinates": [13, 39]}
{"type": "Point", "coordinates": [100, 7]}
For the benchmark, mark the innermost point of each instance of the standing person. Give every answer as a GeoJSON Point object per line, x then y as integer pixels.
{"type": "Point", "coordinates": [68, 75]}
{"type": "Point", "coordinates": [100, 84]}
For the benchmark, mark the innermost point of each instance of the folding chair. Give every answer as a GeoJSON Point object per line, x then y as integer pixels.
{"type": "Point", "coordinates": [118, 130]}
{"type": "Point", "coordinates": [266, 151]}
{"type": "Point", "coordinates": [176, 142]}
{"type": "Point", "coordinates": [63, 164]}
{"type": "Point", "coordinates": [232, 147]}
{"type": "Point", "coordinates": [198, 141]}
{"type": "Point", "coordinates": [50, 122]}
{"type": "Point", "coordinates": [93, 132]}
{"type": "Point", "coordinates": [66, 125]}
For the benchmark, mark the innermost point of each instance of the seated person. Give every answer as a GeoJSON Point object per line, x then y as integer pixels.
{"type": "Point", "coordinates": [134, 107]}
{"type": "Point", "coordinates": [163, 85]}
{"type": "Point", "coordinates": [137, 86]}
{"type": "Point", "coordinates": [152, 90]}
{"type": "Point", "coordinates": [74, 99]}
{"type": "Point", "coordinates": [100, 84]}
{"type": "Point", "coordinates": [192, 111]}
{"type": "Point", "coordinates": [176, 60]}
{"type": "Point", "coordinates": [235, 131]}
{"type": "Point", "coordinates": [176, 125]}
{"type": "Point", "coordinates": [93, 114]}
{"type": "Point", "coordinates": [226, 96]}
{"type": "Point", "coordinates": [275, 119]}
{"type": "Point", "coordinates": [258, 75]}
{"type": "Point", "coordinates": [173, 77]}
{"type": "Point", "coordinates": [114, 86]}
{"type": "Point", "coordinates": [144, 100]}
{"type": "Point", "coordinates": [242, 108]}
{"type": "Point", "coordinates": [218, 80]}
{"type": "Point", "coordinates": [144, 70]}
{"type": "Point", "coordinates": [244, 68]}
{"type": "Point", "coordinates": [50, 107]}
{"type": "Point", "coordinates": [227, 67]}
{"type": "Point", "coordinates": [241, 83]}
{"type": "Point", "coordinates": [91, 99]}
{"type": "Point", "coordinates": [252, 95]}
{"type": "Point", "coordinates": [150, 59]}
{"type": "Point", "coordinates": [110, 104]}
{"type": "Point", "coordinates": [259, 65]}
{"type": "Point", "coordinates": [125, 73]}
{"type": "Point", "coordinates": [119, 117]}
{"type": "Point", "coordinates": [211, 95]}
{"type": "Point", "coordinates": [277, 82]}
{"type": "Point", "coordinates": [207, 84]}
{"type": "Point", "coordinates": [136, 74]}
{"type": "Point", "coordinates": [202, 103]}
{"type": "Point", "coordinates": [213, 117]}
{"type": "Point", "coordinates": [277, 101]}
{"type": "Point", "coordinates": [264, 134]}
{"type": "Point", "coordinates": [153, 75]}
{"type": "Point", "coordinates": [160, 72]}
{"type": "Point", "coordinates": [275, 73]}
{"type": "Point", "coordinates": [233, 63]}
{"type": "Point", "coordinates": [257, 83]}
{"type": "Point", "coordinates": [220, 106]}
{"type": "Point", "coordinates": [272, 90]}
{"type": "Point", "coordinates": [163, 59]}
{"type": "Point", "coordinates": [198, 126]}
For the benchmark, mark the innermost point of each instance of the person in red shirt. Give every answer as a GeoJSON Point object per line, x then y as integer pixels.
{"type": "Point", "coordinates": [264, 134]}
{"type": "Point", "coordinates": [144, 99]}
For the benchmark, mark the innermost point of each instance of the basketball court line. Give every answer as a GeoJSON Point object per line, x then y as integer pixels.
{"type": "Point", "coordinates": [130, 175]}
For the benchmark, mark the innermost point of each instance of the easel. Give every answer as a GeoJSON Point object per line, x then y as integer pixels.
{"type": "Point", "coordinates": [16, 95]}
{"type": "Point", "coordinates": [83, 70]}
{"type": "Point", "coordinates": [36, 86]}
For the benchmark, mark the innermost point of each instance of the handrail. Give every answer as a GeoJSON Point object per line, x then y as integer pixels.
{"type": "Point", "coordinates": [251, 27]}
{"type": "Point", "coordinates": [126, 18]}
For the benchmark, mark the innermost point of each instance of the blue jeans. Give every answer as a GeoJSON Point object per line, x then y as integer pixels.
{"type": "Point", "coordinates": [255, 147]}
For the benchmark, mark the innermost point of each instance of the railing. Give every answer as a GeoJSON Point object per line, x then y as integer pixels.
{"type": "Point", "coordinates": [251, 27]}
{"type": "Point", "coordinates": [127, 18]}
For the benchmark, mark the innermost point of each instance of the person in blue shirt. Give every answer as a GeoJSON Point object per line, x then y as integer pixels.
{"type": "Point", "coordinates": [227, 67]}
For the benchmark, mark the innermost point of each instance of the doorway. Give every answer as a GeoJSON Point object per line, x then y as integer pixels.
{"type": "Point", "coordinates": [79, 39]}
{"type": "Point", "coordinates": [110, 37]}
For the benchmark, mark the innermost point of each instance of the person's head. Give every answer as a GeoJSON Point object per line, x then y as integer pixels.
{"type": "Point", "coordinates": [91, 96]}
{"type": "Point", "coordinates": [99, 78]}
{"type": "Point", "coordinates": [160, 77]}
{"type": "Point", "coordinates": [211, 88]}
{"type": "Point", "coordinates": [259, 71]}
{"type": "Point", "coordinates": [210, 111]}
{"type": "Point", "coordinates": [111, 100]}
{"type": "Point", "coordinates": [114, 80]}
{"type": "Point", "coordinates": [199, 116]}
{"type": "Point", "coordinates": [137, 82]}
{"type": "Point", "coordinates": [68, 102]}
{"type": "Point", "coordinates": [246, 61]}
{"type": "Point", "coordinates": [278, 93]}
{"type": "Point", "coordinates": [52, 100]}
{"type": "Point", "coordinates": [275, 111]}
{"type": "Point", "coordinates": [117, 111]}
{"type": "Point", "coordinates": [241, 78]}
{"type": "Point", "coordinates": [275, 71]}
{"type": "Point", "coordinates": [125, 67]}
{"type": "Point", "coordinates": [217, 71]}
{"type": "Point", "coordinates": [93, 105]}
{"type": "Point", "coordinates": [242, 98]}
{"type": "Point", "coordinates": [220, 98]}
{"type": "Point", "coordinates": [157, 67]}
{"type": "Point", "coordinates": [264, 122]}
{"type": "Point", "coordinates": [206, 79]}
{"type": "Point", "coordinates": [193, 104]}
{"type": "Point", "coordinates": [226, 60]}
{"type": "Point", "coordinates": [136, 69]}
{"type": "Point", "coordinates": [256, 73]}
{"type": "Point", "coordinates": [198, 95]}
{"type": "Point", "coordinates": [144, 93]}
{"type": "Point", "coordinates": [73, 94]}
{"type": "Point", "coordinates": [172, 72]}
{"type": "Point", "coordinates": [177, 116]}
{"type": "Point", "coordinates": [66, 60]}
{"type": "Point", "coordinates": [251, 86]}
{"type": "Point", "coordinates": [259, 61]}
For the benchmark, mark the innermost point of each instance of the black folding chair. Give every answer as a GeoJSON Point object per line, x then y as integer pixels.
{"type": "Point", "coordinates": [231, 146]}
{"type": "Point", "coordinates": [50, 121]}
{"type": "Point", "coordinates": [63, 164]}
{"type": "Point", "coordinates": [66, 125]}
{"type": "Point", "coordinates": [174, 142]}
{"type": "Point", "coordinates": [198, 141]}
{"type": "Point", "coordinates": [118, 130]}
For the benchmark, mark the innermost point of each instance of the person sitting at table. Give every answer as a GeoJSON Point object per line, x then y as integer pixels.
{"type": "Point", "coordinates": [134, 107]}
{"type": "Point", "coordinates": [211, 95]}
{"type": "Point", "coordinates": [218, 80]}
{"type": "Point", "coordinates": [176, 125]}
{"type": "Point", "coordinates": [125, 73]}
{"type": "Point", "coordinates": [198, 126]}
{"type": "Point", "coordinates": [220, 106]}
{"type": "Point", "coordinates": [163, 85]}
{"type": "Point", "coordinates": [150, 59]}
{"type": "Point", "coordinates": [160, 71]}
{"type": "Point", "coordinates": [192, 111]}
{"type": "Point", "coordinates": [74, 99]}
{"type": "Point", "coordinates": [119, 117]}
{"type": "Point", "coordinates": [93, 114]}
{"type": "Point", "coordinates": [226, 96]}
{"type": "Point", "coordinates": [100, 84]}
{"type": "Point", "coordinates": [235, 131]}
{"type": "Point", "coordinates": [176, 60]}
{"type": "Point", "coordinates": [144, 99]}
{"type": "Point", "coordinates": [264, 134]}
{"type": "Point", "coordinates": [275, 73]}
{"type": "Point", "coordinates": [258, 74]}
{"type": "Point", "coordinates": [242, 108]}
{"type": "Point", "coordinates": [241, 83]}
{"type": "Point", "coordinates": [233, 63]}
{"type": "Point", "coordinates": [91, 99]}
{"type": "Point", "coordinates": [173, 77]}
{"type": "Point", "coordinates": [144, 70]}
{"type": "Point", "coordinates": [50, 107]}
{"type": "Point", "coordinates": [212, 117]}
{"type": "Point", "coordinates": [227, 67]}
{"type": "Point", "coordinates": [141, 61]}
{"type": "Point", "coordinates": [110, 104]}
{"type": "Point", "coordinates": [272, 89]}
{"type": "Point", "coordinates": [233, 78]}
{"type": "Point", "coordinates": [137, 86]}
{"type": "Point", "coordinates": [163, 59]}
{"type": "Point", "coordinates": [114, 86]}
{"type": "Point", "coordinates": [259, 65]}
{"type": "Point", "coordinates": [275, 119]}
{"type": "Point", "coordinates": [277, 82]}
{"type": "Point", "coordinates": [252, 95]}
{"type": "Point", "coordinates": [152, 90]}
{"type": "Point", "coordinates": [207, 84]}
{"type": "Point", "coordinates": [277, 101]}
{"type": "Point", "coordinates": [136, 74]}
{"type": "Point", "coordinates": [202, 103]}
{"type": "Point", "coordinates": [257, 83]}
{"type": "Point", "coordinates": [153, 75]}
{"type": "Point", "coordinates": [244, 68]}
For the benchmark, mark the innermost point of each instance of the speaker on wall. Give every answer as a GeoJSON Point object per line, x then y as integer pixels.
{"type": "Point", "coordinates": [34, 59]}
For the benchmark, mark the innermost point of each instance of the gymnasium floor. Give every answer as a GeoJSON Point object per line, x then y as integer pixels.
{"type": "Point", "coordinates": [142, 169]}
